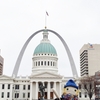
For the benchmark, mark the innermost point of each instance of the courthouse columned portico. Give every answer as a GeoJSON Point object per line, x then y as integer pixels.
{"type": "Point", "coordinates": [51, 81]}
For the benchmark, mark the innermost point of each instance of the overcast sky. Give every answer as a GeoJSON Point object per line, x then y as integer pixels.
{"type": "Point", "coordinates": [77, 21]}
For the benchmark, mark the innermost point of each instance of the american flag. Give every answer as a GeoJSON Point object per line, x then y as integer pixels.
{"type": "Point", "coordinates": [91, 46]}
{"type": "Point", "coordinates": [47, 13]}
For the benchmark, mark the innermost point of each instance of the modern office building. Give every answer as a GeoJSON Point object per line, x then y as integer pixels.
{"type": "Point", "coordinates": [1, 65]}
{"type": "Point", "coordinates": [89, 59]}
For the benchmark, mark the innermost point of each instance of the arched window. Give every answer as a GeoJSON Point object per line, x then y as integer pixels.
{"type": "Point", "coordinates": [38, 63]}
{"type": "Point", "coordinates": [51, 63]}
{"type": "Point", "coordinates": [48, 63]}
{"type": "Point", "coordinates": [45, 63]}
{"type": "Point", "coordinates": [41, 62]}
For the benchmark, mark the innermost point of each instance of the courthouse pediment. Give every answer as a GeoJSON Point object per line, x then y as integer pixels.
{"type": "Point", "coordinates": [47, 75]}
{"type": "Point", "coordinates": [4, 77]}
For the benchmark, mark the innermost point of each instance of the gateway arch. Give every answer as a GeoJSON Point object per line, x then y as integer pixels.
{"type": "Point", "coordinates": [73, 68]}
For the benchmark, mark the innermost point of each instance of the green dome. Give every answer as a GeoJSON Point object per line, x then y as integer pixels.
{"type": "Point", "coordinates": [45, 48]}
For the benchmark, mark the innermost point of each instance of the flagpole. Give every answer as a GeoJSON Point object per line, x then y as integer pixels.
{"type": "Point", "coordinates": [46, 19]}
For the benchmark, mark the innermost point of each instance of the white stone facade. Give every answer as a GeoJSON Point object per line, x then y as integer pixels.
{"type": "Point", "coordinates": [27, 88]}
{"type": "Point", "coordinates": [45, 63]}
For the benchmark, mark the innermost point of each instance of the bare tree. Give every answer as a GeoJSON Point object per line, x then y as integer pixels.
{"type": "Point", "coordinates": [97, 85]}
{"type": "Point", "coordinates": [88, 83]}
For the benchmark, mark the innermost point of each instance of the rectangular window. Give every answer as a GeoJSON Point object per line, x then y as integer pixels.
{"type": "Point", "coordinates": [8, 86]}
{"type": "Point", "coordinates": [28, 95]}
{"type": "Point", "coordinates": [23, 95]}
{"type": "Point", "coordinates": [16, 86]}
{"type": "Point", "coordinates": [80, 94]}
{"type": "Point", "coordinates": [23, 87]}
{"type": "Point", "coordinates": [8, 94]}
{"type": "Point", "coordinates": [2, 94]}
{"type": "Point", "coordinates": [28, 87]}
{"type": "Point", "coordinates": [16, 95]}
{"type": "Point", "coordinates": [3, 86]}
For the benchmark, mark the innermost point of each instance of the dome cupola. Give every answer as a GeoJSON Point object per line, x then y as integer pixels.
{"type": "Point", "coordinates": [45, 46]}
{"type": "Point", "coordinates": [45, 56]}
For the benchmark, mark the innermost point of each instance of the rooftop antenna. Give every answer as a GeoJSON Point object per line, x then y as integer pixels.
{"type": "Point", "coordinates": [46, 19]}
